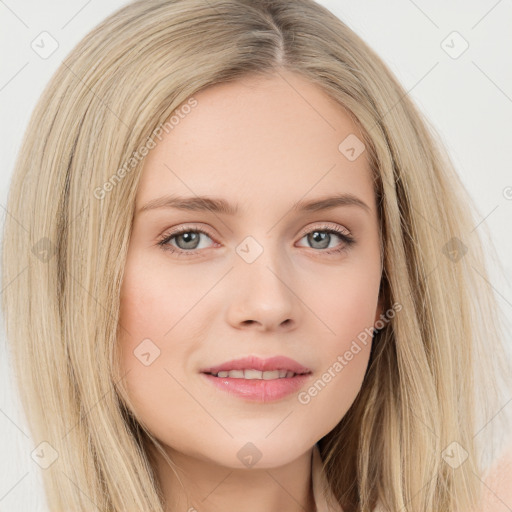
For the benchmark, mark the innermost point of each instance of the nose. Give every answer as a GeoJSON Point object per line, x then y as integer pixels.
{"type": "Point", "coordinates": [263, 296]}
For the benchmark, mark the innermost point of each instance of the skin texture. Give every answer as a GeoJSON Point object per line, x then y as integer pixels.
{"type": "Point", "coordinates": [263, 144]}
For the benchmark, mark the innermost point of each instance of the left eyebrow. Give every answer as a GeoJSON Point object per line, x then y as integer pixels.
{"type": "Point", "coordinates": [219, 205]}
{"type": "Point", "coordinates": [327, 203]}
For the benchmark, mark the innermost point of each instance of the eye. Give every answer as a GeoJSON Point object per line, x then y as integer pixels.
{"type": "Point", "coordinates": [187, 241]}
{"type": "Point", "coordinates": [320, 238]}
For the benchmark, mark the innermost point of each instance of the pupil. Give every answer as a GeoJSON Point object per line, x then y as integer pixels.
{"type": "Point", "coordinates": [190, 240]}
{"type": "Point", "coordinates": [319, 237]}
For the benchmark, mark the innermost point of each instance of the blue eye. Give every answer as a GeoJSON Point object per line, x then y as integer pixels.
{"type": "Point", "coordinates": [186, 241]}
{"type": "Point", "coordinates": [323, 236]}
{"type": "Point", "coordinates": [189, 240]}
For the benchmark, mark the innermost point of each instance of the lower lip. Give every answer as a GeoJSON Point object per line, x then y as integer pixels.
{"type": "Point", "coordinates": [259, 390]}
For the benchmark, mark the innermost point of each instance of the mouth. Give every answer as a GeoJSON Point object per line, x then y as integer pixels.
{"type": "Point", "coordinates": [253, 367]}
{"type": "Point", "coordinates": [251, 374]}
{"type": "Point", "coordinates": [259, 380]}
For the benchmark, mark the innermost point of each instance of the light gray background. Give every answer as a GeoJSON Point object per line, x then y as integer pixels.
{"type": "Point", "coordinates": [467, 99]}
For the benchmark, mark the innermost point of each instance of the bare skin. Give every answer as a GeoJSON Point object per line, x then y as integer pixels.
{"type": "Point", "coordinates": [259, 144]}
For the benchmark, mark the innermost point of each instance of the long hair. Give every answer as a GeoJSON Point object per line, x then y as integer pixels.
{"type": "Point", "coordinates": [432, 384]}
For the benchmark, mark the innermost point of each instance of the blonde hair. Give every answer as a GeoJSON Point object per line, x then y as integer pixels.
{"type": "Point", "coordinates": [432, 379]}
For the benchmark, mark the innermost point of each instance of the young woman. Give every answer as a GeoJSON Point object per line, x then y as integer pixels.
{"type": "Point", "coordinates": [248, 278]}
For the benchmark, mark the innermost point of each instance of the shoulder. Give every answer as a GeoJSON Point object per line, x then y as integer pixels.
{"type": "Point", "coordinates": [497, 488]}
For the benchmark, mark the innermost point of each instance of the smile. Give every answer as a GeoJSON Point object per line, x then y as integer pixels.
{"type": "Point", "coordinates": [255, 374]}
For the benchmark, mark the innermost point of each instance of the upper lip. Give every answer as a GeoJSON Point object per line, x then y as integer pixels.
{"type": "Point", "coordinates": [256, 363]}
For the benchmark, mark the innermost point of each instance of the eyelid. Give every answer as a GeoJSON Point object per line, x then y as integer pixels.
{"type": "Point", "coordinates": [342, 232]}
{"type": "Point", "coordinates": [324, 226]}
{"type": "Point", "coordinates": [306, 230]}
{"type": "Point", "coordinates": [185, 229]}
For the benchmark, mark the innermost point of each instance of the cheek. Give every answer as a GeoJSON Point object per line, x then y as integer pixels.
{"type": "Point", "coordinates": [347, 306]}
{"type": "Point", "coordinates": [153, 367]}
{"type": "Point", "coordinates": [345, 302]}
{"type": "Point", "coordinates": [340, 377]}
{"type": "Point", "coordinates": [155, 342]}
{"type": "Point", "coordinates": [155, 300]}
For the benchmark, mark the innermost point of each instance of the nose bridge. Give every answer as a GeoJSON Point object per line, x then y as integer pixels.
{"type": "Point", "coordinates": [264, 257]}
{"type": "Point", "coordinates": [264, 285]}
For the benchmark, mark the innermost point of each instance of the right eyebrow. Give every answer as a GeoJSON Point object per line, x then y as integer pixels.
{"type": "Point", "coordinates": [198, 203]}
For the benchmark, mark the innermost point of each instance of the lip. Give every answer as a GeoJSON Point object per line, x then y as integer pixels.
{"type": "Point", "coordinates": [259, 390]}
{"type": "Point", "coordinates": [256, 363]}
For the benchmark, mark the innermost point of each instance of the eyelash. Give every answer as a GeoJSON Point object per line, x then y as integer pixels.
{"type": "Point", "coordinates": [164, 241]}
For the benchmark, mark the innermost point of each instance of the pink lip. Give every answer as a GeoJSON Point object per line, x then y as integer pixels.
{"type": "Point", "coordinates": [263, 365]}
{"type": "Point", "coordinates": [259, 390]}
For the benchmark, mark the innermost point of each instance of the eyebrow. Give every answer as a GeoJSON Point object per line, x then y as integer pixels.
{"type": "Point", "coordinates": [219, 205]}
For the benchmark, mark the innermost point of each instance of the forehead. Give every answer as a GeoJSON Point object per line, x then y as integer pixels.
{"type": "Point", "coordinates": [259, 139]}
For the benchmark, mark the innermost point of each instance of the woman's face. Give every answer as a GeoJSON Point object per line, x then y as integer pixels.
{"type": "Point", "coordinates": [271, 280]}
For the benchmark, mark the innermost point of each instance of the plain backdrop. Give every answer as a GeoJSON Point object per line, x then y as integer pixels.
{"type": "Point", "coordinates": [453, 58]}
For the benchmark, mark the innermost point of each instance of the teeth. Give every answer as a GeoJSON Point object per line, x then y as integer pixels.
{"type": "Point", "coordinates": [235, 374]}
{"type": "Point", "coordinates": [255, 374]}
